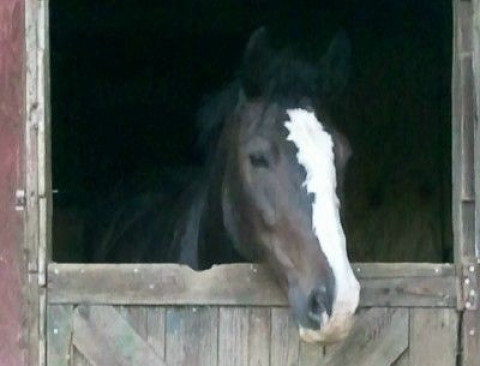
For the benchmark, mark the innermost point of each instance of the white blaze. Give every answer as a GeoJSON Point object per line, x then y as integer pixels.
{"type": "Point", "coordinates": [316, 155]}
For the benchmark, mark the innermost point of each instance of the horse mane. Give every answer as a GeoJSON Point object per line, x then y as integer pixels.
{"type": "Point", "coordinates": [213, 114]}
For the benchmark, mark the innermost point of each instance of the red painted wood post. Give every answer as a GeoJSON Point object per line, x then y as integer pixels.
{"type": "Point", "coordinates": [13, 274]}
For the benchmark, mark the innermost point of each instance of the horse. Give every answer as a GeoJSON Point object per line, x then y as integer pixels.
{"type": "Point", "coordinates": [270, 190]}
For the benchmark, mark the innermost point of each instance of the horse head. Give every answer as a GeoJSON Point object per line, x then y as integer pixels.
{"type": "Point", "coordinates": [284, 167]}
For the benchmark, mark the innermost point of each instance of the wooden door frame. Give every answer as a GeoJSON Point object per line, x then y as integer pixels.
{"type": "Point", "coordinates": [36, 190]}
{"type": "Point", "coordinates": [38, 174]}
{"type": "Point", "coordinates": [466, 171]}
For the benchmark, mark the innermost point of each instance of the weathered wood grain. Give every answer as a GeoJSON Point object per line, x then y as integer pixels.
{"type": "Point", "coordinates": [104, 337]}
{"type": "Point", "coordinates": [233, 336]}
{"type": "Point", "coordinates": [78, 359]}
{"type": "Point", "coordinates": [471, 319]}
{"type": "Point", "coordinates": [37, 185]}
{"type": "Point", "coordinates": [394, 270]}
{"type": "Point", "coordinates": [244, 336]}
{"type": "Point", "coordinates": [136, 316]}
{"type": "Point", "coordinates": [433, 337]}
{"type": "Point", "coordinates": [13, 279]}
{"type": "Point", "coordinates": [259, 337]}
{"type": "Point", "coordinates": [476, 76]}
{"type": "Point", "coordinates": [284, 342]}
{"type": "Point", "coordinates": [379, 337]}
{"type": "Point", "coordinates": [191, 336]}
{"type": "Point", "coordinates": [59, 335]}
{"type": "Point", "coordinates": [149, 323]}
{"type": "Point", "coordinates": [235, 284]}
{"type": "Point", "coordinates": [156, 324]}
{"type": "Point", "coordinates": [31, 240]}
{"type": "Point", "coordinates": [403, 360]}
{"type": "Point", "coordinates": [463, 207]}
{"type": "Point", "coordinates": [409, 292]}
{"type": "Point", "coordinates": [466, 165]}
{"type": "Point", "coordinates": [162, 284]}
{"type": "Point", "coordinates": [311, 354]}
{"type": "Point", "coordinates": [31, 332]}
{"type": "Point", "coordinates": [470, 342]}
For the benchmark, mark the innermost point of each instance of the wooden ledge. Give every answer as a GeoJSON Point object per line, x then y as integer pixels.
{"type": "Point", "coordinates": [383, 284]}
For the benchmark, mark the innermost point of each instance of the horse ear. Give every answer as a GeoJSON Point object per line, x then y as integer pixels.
{"type": "Point", "coordinates": [255, 62]}
{"type": "Point", "coordinates": [342, 148]}
{"type": "Point", "coordinates": [343, 152]}
{"type": "Point", "coordinates": [335, 66]}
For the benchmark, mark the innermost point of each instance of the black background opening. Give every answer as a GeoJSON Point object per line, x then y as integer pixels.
{"type": "Point", "coordinates": [127, 80]}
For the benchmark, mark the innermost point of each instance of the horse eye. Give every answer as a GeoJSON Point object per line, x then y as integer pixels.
{"type": "Point", "coordinates": [258, 160]}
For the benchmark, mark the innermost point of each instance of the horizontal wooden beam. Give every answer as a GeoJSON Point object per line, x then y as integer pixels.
{"type": "Point", "coordinates": [399, 285]}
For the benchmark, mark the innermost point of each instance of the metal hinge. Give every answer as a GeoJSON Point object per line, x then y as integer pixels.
{"type": "Point", "coordinates": [470, 284]}
{"type": "Point", "coordinates": [20, 200]}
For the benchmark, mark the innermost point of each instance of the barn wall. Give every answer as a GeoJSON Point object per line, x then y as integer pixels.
{"type": "Point", "coordinates": [12, 271]}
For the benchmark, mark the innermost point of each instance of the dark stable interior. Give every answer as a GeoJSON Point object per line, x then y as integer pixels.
{"type": "Point", "coordinates": [127, 80]}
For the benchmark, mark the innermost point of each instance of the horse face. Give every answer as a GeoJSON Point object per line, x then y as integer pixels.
{"type": "Point", "coordinates": [287, 165]}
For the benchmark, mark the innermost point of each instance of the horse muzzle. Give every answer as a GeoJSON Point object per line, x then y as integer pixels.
{"type": "Point", "coordinates": [332, 329]}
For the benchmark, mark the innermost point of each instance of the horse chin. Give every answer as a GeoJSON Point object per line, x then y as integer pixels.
{"type": "Point", "coordinates": [332, 331]}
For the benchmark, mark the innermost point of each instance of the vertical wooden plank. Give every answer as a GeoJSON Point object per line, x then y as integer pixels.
{"type": "Point", "coordinates": [259, 337]}
{"type": "Point", "coordinates": [463, 208]}
{"type": "Point", "coordinates": [31, 135]}
{"type": "Point", "coordinates": [244, 336]}
{"type": "Point", "coordinates": [466, 216]}
{"type": "Point", "coordinates": [476, 82]}
{"type": "Point", "coordinates": [42, 329]}
{"type": "Point", "coordinates": [13, 275]}
{"type": "Point", "coordinates": [43, 145]}
{"type": "Point", "coordinates": [471, 319]}
{"type": "Point", "coordinates": [311, 354]}
{"type": "Point", "coordinates": [33, 319]}
{"type": "Point", "coordinates": [37, 177]}
{"type": "Point", "coordinates": [233, 336]}
{"type": "Point", "coordinates": [470, 338]}
{"type": "Point", "coordinates": [59, 335]}
{"type": "Point", "coordinates": [433, 337]}
{"type": "Point", "coordinates": [156, 324]}
{"type": "Point", "coordinates": [284, 346]}
{"type": "Point", "coordinates": [192, 336]}
{"type": "Point", "coordinates": [31, 186]}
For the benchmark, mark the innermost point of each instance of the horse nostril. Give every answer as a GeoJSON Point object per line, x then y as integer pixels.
{"type": "Point", "coordinates": [318, 304]}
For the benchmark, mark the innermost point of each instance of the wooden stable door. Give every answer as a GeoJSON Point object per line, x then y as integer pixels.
{"type": "Point", "coordinates": [237, 336]}
{"type": "Point", "coordinates": [235, 315]}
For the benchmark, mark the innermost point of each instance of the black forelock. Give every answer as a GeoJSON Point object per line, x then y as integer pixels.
{"type": "Point", "coordinates": [289, 80]}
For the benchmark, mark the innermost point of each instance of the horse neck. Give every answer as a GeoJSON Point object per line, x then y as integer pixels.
{"type": "Point", "coordinates": [214, 244]}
